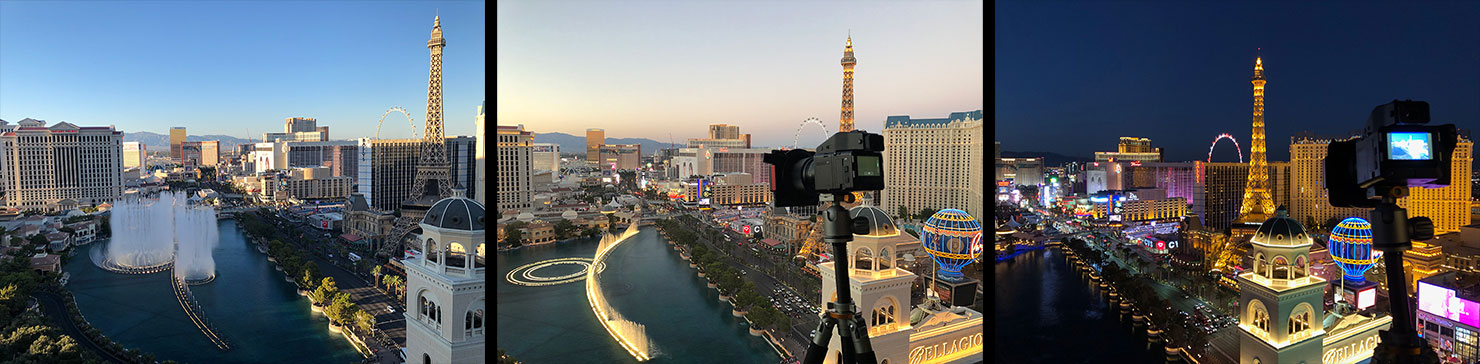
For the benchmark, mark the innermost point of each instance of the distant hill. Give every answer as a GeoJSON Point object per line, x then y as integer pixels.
{"type": "Point", "coordinates": [161, 141]}
{"type": "Point", "coordinates": [1049, 159]}
{"type": "Point", "coordinates": [577, 144]}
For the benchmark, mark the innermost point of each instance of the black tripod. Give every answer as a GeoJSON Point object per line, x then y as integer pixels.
{"type": "Point", "coordinates": [838, 229]}
{"type": "Point", "coordinates": [1393, 232]}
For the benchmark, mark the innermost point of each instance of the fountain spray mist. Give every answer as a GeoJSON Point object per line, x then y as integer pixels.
{"type": "Point", "coordinates": [151, 232]}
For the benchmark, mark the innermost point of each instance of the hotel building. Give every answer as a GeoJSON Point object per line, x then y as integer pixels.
{"type": "Point", "coordinates": [59, 167]}
{"type": "Point", "coordinates": [936, 163]}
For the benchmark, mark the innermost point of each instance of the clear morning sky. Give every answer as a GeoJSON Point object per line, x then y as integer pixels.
{"type": "Point", "coordinates": [645, 69]}
{"type": "Point", "coordinates": [227, 67]}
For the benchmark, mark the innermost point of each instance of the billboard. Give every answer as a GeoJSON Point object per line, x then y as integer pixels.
{"type": "Point", "coordinates": [1442, 301]}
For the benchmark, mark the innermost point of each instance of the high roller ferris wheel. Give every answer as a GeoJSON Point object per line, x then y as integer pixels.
{"type": "Point", "coordinates": [403, 112]}
{"type": "Point", "coordinates": [813, 120]}
{"type": "Point", "coordinates": [1235, 147]}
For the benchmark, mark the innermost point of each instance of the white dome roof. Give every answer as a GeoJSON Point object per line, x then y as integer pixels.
{"type": "Point", "coordinates": [1281, 230]}
{"type": "Point", "coordinates": [525, 216]}
{"type": "Point", "coordinates": [568, 215]}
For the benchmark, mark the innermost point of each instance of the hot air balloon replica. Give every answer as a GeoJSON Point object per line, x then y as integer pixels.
{"type": "Point", "coordinates": [1351, 247]}
{"type": "Point", "coordinates": [953, 239]}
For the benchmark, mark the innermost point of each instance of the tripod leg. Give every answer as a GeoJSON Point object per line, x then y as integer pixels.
{"type": "Point", "coordinates": [861, 346]}
{"type": "Point", "coordinates": [847, 338]}
{"type": "Point", "coordinates": [817, 349]}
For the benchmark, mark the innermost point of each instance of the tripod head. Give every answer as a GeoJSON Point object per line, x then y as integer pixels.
{"type": "Point", "coordinates": [838, 229]}
{"type": "Point", "coordinates": [1393, 232]}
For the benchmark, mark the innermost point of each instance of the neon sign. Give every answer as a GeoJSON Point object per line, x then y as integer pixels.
{"type": "Point", "coordinates": [1442, 302]}
{"type": "Point", "coordinates": [923, 354]}
{"type": "Point", "coordinates": [1359, 349]}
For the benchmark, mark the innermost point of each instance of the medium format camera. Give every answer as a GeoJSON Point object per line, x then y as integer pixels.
{"type": "Point", "coordinates": [1395, 151]}
{"type": "Point", "coordinates": [846, 162]}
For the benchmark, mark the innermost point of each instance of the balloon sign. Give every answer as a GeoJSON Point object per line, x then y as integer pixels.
{"type": "Point", "coordinates": [953, 239]}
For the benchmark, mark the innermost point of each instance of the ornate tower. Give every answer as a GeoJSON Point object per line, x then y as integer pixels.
{"type": "Point", "coordinates": [1279, 308]}
{"type": "Point", "coordinates": [848, 62]}
{"type": "Point", "coordinates": [433, 172]}
{"type": "Point", "coordinates": [1258, 205]}
{"type": "Point", "coordinates": [445, 308]}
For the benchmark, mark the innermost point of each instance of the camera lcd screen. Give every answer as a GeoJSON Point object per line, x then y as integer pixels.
{"type": "Point", "coordinates": [869, 166]}
{"type": "Point", "coordinates": [1410, 146]}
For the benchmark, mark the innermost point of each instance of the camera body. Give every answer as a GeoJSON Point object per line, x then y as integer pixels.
{"type": "Point", "coordinates": [1395, 149]}
{"type": "Point", "coordinates": [845, 162]}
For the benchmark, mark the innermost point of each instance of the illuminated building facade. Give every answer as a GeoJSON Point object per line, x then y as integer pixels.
{"type": "Point", "coordinates": [1022, 171]}
{"type": "Point", "coordinates": [929, 333]}
{"type": "Point", "coordinates": [1221, 187]}
{"type": "Point", "coordinates": [1281, 315]}
{"type": "Point", "coordinates": [709, 161]}
{"type": "Point", "coordinates": [1310, 201]}
{"type": "Point", "coordinates": [937, 163]}
{"type": "Point", "coordinates": [846, 120]}
{"type": "Point", "coordinates": [1449, 207]}
{"type": "Point", "coordinates": [1258, 204]}
{"type": "Point", "coordinates": [1448, 315]}
{"type": "Point", "coordinates": [732, 189]}
{"type": "Point", "coordinates": [722, 136]}
{"type": "Point", "coordinates": [1132, 149]}
{"type": "Point", "coordinates": [1178, 179]}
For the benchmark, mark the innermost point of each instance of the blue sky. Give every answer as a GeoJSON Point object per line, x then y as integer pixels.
{"type": "Point", "coordinates": [650, 68]}
{"type": "Point", "coordinates": [227, 67]}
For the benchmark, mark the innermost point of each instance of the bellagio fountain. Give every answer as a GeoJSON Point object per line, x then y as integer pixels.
{"type": "Point", "coordinates": [152, 232]}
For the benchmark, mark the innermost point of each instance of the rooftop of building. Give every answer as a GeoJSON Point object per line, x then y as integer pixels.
{"type": "Point", "coordinates": [900, 121]}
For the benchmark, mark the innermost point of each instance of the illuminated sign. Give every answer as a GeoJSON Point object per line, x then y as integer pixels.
{"type": "Point", "coordinates": [746, 230]}
{"type": "Point", "coordinates": [1366, 298]}
{"type": "Point", "coordinates": [1354, 351]}
{"type": "Point", "coordinates": [928, 353]}
{"type": "Point", "coordinates": [1443, 302]}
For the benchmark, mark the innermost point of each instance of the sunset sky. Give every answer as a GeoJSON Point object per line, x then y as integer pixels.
{"type": "Point", "coordinates": [647, 69]}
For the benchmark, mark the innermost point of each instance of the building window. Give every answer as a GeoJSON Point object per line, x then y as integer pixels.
{"type": "Point", "coordinates": [474, 322]}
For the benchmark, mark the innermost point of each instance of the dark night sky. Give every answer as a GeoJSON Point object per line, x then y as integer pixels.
{"type": "Point", "coordinates": [1072, 77]}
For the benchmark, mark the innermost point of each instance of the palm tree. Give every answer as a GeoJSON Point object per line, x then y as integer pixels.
{"type": "Point", "coordinates": [376, 271]}
{"type": "Point", "coordinates": [365, 320]}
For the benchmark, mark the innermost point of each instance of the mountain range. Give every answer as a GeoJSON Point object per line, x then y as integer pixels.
{"type": "Point", "coordinates": [577, 144]}
{"type": "Point", "coordinates": [162, 142]}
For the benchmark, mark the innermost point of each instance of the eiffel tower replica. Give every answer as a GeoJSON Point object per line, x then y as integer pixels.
{"type": "Point", "coordinates": [433, 171]}
{"type": "Point", "coordinates": [1257, 205]}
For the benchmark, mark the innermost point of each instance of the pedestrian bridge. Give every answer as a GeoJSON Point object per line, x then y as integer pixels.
{"type": "Point", "coordinates": [195, 312]}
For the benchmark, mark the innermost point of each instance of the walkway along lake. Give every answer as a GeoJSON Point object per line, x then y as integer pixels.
{"type": "Point", "coordinates": [646, 282]}
{"type": "Point", "coordinates": [1045, 309]}
{"type": "Point", "coordinates": [265, 318]}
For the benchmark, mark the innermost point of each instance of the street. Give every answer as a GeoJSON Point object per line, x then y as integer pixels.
{"type": "Point", "coordinates": [391, 324]}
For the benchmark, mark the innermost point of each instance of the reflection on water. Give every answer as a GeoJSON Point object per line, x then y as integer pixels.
{"type": "Point", "coordinates": [1047, 312]}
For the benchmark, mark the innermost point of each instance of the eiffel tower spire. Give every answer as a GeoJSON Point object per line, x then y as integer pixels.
{"type": "Point", "coordinates": [1258, 205]}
